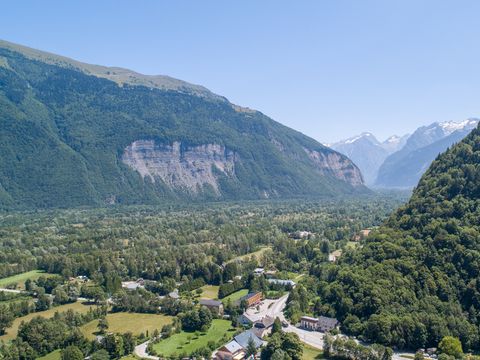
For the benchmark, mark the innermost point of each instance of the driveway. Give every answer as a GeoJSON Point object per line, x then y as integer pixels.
{"type": "Point", "coordinates": [141, 351]}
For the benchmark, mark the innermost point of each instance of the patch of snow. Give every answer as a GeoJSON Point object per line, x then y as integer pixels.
{"type": "Point", "coordinates": [451, 126]}
{"type": "Point", "coordinates": [358, 137]}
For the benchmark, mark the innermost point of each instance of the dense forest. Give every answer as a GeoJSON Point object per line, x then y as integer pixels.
{"type": "Point", "coordinates": [170, 248]}
{"type": "Point", "coordinates": [174, 241]}
{"type": "Point", "coordinates": [416, 278]}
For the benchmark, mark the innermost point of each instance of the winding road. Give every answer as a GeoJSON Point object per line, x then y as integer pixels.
{"type": "Point", "coordinates": [141, 351]}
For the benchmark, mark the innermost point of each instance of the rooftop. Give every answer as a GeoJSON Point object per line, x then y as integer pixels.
{"type": "Point", "coordinates": [282, 282]}
{"type": "Point", "coordinates": [328, 320]}
{"type": "Point", "coordinates": [174, 294]}
{"type": "Point", "coordinates": [309, 318]}
{"type": "Point", "coordinates": [244, 337]}
{"type": "Point", "coordinates": [130, 285]}
{"type": "Point", "coordinates": [249, 295]}
{"type": "Point", "coordinates": [265, 322]}
{"type": "Point", "coordinates": [233, 346]}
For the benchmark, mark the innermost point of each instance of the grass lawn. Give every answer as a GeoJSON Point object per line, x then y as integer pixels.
{"type": "Point", "coordinates": [311, 353]}
{"type": "Point", "coordinates": [20, 279]}
{"type": "Point", "coordinates": [298, 277]}
{"type": "Point", "coordinates": [19, 298]}
{"type": "Point", "coordinates": [209, 292]}
{"type": "Point", "coordinates": [352, 244]}
{"type": "Point", "coordinates": [185, 342]}
{"type": "Point", "coordinates": [123, 322]}
{"type": "Point", "coordinates": [257, 254]}
{"type": "Point", "coordinates": [12, 330]}
{"type": "Point", "coordinates": [54, 355]}
{"type": "Point", "coordinates": [274, 294]}
{"type": "Point", "coordinates": [235, 296]}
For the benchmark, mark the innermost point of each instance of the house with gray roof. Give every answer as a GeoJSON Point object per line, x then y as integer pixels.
{"type": "Point", "coordinates": [321, 323]}
{"type": "Point", "coordinates": [289, 283]}
{"type": "Point", "coordinates": [236, 349]}
{"type": "Point", "coordinates": [244, 337]}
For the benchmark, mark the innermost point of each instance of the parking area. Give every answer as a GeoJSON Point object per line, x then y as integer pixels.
{"type": "Point", "coordinates": [312, 338]}
{"type": "Point", "coordinates": [268, 307]}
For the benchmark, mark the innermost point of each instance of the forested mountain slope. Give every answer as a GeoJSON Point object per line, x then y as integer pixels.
{"type": "Point", "coordinates": [416, 279]}
{"type": "Point", "coordinates": [75, 134]}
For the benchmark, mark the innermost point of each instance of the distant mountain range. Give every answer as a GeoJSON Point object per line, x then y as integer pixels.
{"type": "Point", "coordinates": [400, 161]}
{"type": "Point", "coordinates": [74, 134]}
{"type": "Point", "coordinates": [368, 153]}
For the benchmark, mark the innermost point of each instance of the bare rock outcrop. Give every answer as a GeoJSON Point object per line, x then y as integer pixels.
{"type": "Point", "coordinates": [181, 167]}
{"type": "Point", "coordinates": [336, 165]}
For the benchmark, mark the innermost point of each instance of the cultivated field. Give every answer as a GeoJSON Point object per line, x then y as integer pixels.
{"type": "Point", "coordinates": [209, 292]}
{"type": "Point", "coordinates": [11, 332]}
{"type": "Point", "coordinates": [20, 279]}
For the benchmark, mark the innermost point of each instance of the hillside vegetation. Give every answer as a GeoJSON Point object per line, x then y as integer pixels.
{"type": "Point", "coordinates": [416, 279]}
{"type": "Point", "coordinates": [65, 130]}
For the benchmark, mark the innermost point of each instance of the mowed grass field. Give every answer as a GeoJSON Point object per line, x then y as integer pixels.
{"type": "Point", "coordinates": [209, 292]}
{"type": "Point", "coordinates": [311, 353]}
{"type": "Point", "coordinates": [123, 322]}
{"type": "Point", "coordinates": [11, 332]}
{"type": "Point", "coordinates": [20, 279]}
{"type": "Point", "coordinates": [257, 254]}
{"type": "Point", "coordinates": [187, 342]}
{"type": "Point", "coordinates": [57, 355]}
{"type": "Point", "coordinates": [17, 299]}
{"type": "Point", "coordinates": [54, 355]}
{"type": "Point", "coordinates": [235, 296]}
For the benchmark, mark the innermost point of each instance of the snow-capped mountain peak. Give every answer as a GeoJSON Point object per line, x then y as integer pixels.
{"type": "Point", "coordinates": [392, 139]}
{"type": "Point", "coordinates": [364, 135]}
{"type": "Point", "coordinates": [394, 142]}
{"type": "Point", "coordinates": [451, 126]}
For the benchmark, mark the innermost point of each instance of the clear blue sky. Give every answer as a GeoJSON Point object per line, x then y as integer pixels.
{"type": "Point", "coordinates": [329, 68]}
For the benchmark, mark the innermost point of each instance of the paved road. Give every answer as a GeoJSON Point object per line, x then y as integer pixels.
{"type": "Point", "coordinates": [312, 338]}
{"type": "Point", "coordinates": [276, 309]}
{"type": "Point", "coordinates": [403, 355]}
{"type": "Point", "coordinates": [141, 351]}
{"type": "Point", "coordinates": [12, 291]}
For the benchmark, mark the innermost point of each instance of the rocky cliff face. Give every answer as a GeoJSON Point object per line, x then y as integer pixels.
{"type": "Point", "coordinates": [181, 167]}
{"type": "Point", "coordinates": [336, 165]}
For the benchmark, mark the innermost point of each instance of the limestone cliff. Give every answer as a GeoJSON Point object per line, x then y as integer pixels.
{"type": "Point", "coordinates": [179, 166]}
{"type": "Point", "coordinates": [336, 165]}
